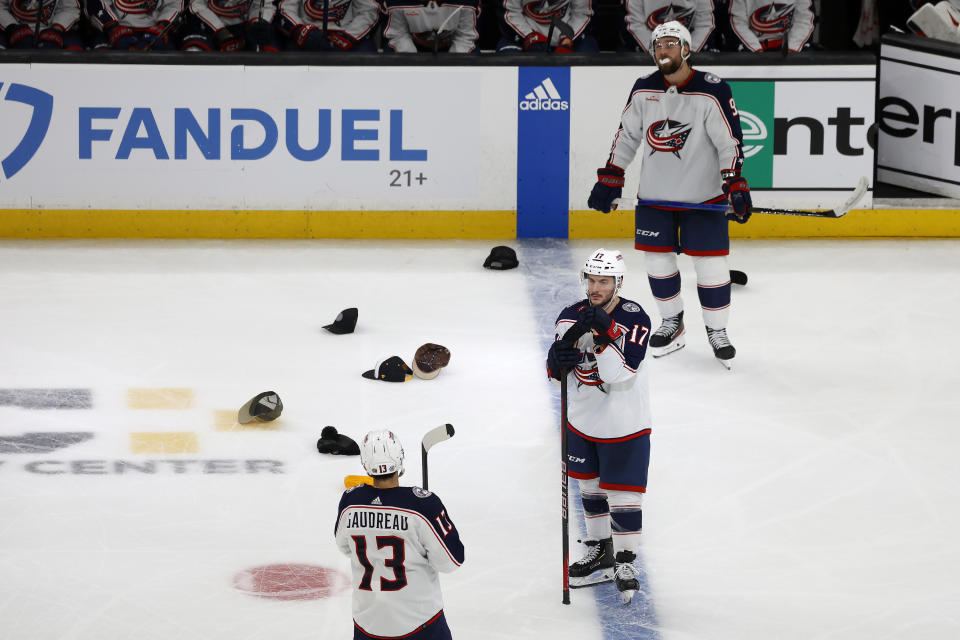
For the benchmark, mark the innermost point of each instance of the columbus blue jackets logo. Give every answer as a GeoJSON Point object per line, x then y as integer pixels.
{"type": "Point", "coordinates": [230, 9]}
{"type": "Point", "coordinates": [683, 15]}
{"type": "Point", "coordinates": [41, 103]}
{"type": "Point", "coordinates": [772, 19]}
{"type": "Point", "coordinates": [335, 10]}
{"type": "Point", "coordinates": [543, 11]}
{"type": "Point", "coordinates": [668, 135]}
{"type": "Point", "coordinates": [25, 11]}
{"type": "Point", "coordinates": [137, 7]}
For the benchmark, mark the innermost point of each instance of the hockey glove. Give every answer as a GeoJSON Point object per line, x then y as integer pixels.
{"type": "Point", "coordinates": [609, 187]}
{"type": "Point", "coordinates": [561, 357]}
{"type": "Point", "coordinates": [259, 31]}
{"type": "Point", "coordinates": [604, 328]}
{"type": "Point", "coordinates": [535, 41]}
{"type": "Point", "coordinates": [52, 38]}
{"type": "Point", "coordinates": [310, 38]}
{"type": "Point", "coordinates": [227, 41]}
{"type": "Point", "coordinates": [20, 36]}
{"type": "Point", "coordinates": [159, 32]}
{"type": "Point", "coordinates": [341, 40]}
{"type": "Point", "coordinates": [737, 189]}
{"type": "Point", "coordinates": [564, 46]}
{"type": "Point", "coordinates": [121, 37]}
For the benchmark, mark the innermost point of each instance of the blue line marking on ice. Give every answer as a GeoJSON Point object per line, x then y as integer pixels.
{"type": "Point", "coordinates": [550, 271]}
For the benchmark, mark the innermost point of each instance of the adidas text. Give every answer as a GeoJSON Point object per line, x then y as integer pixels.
{"type": "Point", "coordinates": [544, 105]}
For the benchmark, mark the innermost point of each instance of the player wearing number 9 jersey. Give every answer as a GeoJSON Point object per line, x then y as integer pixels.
{"type": "Point", "coordinates": [398, 539]}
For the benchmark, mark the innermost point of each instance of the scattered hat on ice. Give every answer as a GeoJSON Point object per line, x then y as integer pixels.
{"type": "Point", "coordinates": [501, 258]}
{"type": "Point", "coordinates": [393, 369]}
{"type": "Point", "coordinates": [346, 322]}
{"type": "Point", "coordinates": [429, 359]}
{"type": "Point", "coordinates": [337, 444]}
{"type": "Point", "coordinates": [263, 407]}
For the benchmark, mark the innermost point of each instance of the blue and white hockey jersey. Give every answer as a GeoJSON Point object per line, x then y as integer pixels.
{"type": "Point", "coordinates": [608, 396]}
{"type": "Point", "coordinates": [685, 135]}
{"type": "Point", "coordinates": [398, 540]}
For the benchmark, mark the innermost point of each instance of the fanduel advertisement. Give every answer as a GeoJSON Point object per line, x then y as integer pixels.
{"type": "Point", "coordinates": [164, 137]}
{"type": "Point", "coordinates": [919, 117]}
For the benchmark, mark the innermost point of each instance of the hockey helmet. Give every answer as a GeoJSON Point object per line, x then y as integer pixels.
{"type": "Point", "coordinates": [381, 454]}
{"type": "Point", "coordinates": [604, 262]}
{"type": "Point", "coordinates": [672, 29]}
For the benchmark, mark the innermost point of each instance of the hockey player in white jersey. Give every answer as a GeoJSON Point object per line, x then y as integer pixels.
{"type": "Point", "coordinates": [230, 25]}
{"type": "Point", "coordinates": [762, 25]}
{"type": "Point", "coordinates": [329, 25]}
{"type": "Point", "coordinates": [561, 26]}
{"type": "Point", "coordinates": [58, 24]}
{"type": "Point", "coordinates": [641, 17]}
{"type": "Point", "coordinates": [685, 126]}
{"type": "Point", "coordinates": [608, 419]}
{"type": "Point", "coordinates": [398, 540]}
{"type": "Point", "coordinates": [135, 24]}
{"type": "Point", "coordinates": [447, 25]}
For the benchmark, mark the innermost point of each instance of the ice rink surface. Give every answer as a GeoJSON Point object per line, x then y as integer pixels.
{"type": "Point", "coordinates": [810, 493]}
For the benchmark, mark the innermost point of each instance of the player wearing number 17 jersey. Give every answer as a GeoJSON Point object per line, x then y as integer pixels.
{"type": "Point", "coordinates": [398, 539]}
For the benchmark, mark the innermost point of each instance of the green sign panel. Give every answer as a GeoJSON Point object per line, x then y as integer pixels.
{"type": "Point", "coordinates": [755, 101]}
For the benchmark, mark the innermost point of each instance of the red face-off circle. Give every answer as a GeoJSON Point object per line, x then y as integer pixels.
{"type": "Point", "coordinates": [291, 582]}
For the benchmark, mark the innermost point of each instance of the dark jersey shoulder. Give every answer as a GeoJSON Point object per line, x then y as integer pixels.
{"type": "Point", "coordinates": [572, 311]}
{"type": "Point", "coordinates": [706, 82]}
{"type": "Point", "coordinates": [408, 498]}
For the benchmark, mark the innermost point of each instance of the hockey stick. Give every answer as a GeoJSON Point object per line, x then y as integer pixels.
{"type": "Point", "coordinates": [837, 212]}
{"type": "Point", "coordinates": [569, 338]}
{"type": "Point", "coordinates": [165, 31]}
{"type": "Point", "coordinates": [432, 437]}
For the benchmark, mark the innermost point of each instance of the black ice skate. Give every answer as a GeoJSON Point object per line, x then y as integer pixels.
{"type": "Point", "coordinates": [625, 576]}
{"type": "Point", "coordinates": [722, 348]}
{"type": "Point", "coordinates": [594, 568]}
{"type": "Point", "coordinates": [669, 337]}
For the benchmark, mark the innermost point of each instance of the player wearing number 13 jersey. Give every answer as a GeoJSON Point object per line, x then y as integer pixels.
{"type": "Point", "coordinates": [398, 539]}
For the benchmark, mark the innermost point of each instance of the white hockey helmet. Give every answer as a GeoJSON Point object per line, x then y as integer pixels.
{"type": "Point", "coordinates": [381, 454]}
{"type": "Point", "coordinates": [672, 29]}
{"type": "Point", "coordinates": [604, 262]}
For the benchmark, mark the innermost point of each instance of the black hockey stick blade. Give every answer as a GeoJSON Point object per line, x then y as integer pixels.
{"type": "Point", "coordinates": [738, 277]}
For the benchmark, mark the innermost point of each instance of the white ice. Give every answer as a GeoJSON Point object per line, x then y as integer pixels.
{"type": "Point", "coordinates": [812, 492]}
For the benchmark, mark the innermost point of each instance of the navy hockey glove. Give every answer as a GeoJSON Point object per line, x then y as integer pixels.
{"type": "Point", "coordinates": [259, 31]}
{"type": "Point", "coordinates": [341, 40]}
{"type": "Point", "coordinates": [535, 41]}
{"type": "Point", "coordinates": [52, 38]}
{"type": "Point", "coordinates": [159, 32]}
{"type": "Point", "coordinates": [121, 37]}
{"type": "Point", "coordinates": [310, 38]}
{"type": "Point", "coordinates": [609, 187]}
{"type": "Point", "coordinates": [737, 189]}
{"type": "Point", "coordinates": [604, 328]}
{"type": "Point", "coordinates": [227, 41]}
{"type": "Point", "coordinates": [561, 357]}
{"type": "Point", "coordinates": [20, 36]}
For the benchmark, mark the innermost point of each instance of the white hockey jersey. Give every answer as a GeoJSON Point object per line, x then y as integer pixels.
{"type": "Point", "coordinates": [763, 25]}
{"type": "Point", "coordinates": [527, 16]}
{"type": "Point", "coordinates": [685, 136]}
{"type": "Point", "coordinates": [218, 14]}
{"type": "Point", "coordinates": [608, 394]}
{"type": "Point", "coordinates": [355, 17]}
{"type": "Point", "coordinates": [414, 26]}
{"type": "Point", "coordinates": [139, 14]}
{"type": "Point", "coordinates": [643, 16]}
{"type": "Point", "coordinates": [52, 12]}
{"type": "Point", "coordinates": [398, 540]}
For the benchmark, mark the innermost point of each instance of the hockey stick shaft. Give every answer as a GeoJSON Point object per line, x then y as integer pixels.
{"type": "Point", "coordinates": [847, 205]}
{"type": "Point", "coordinates": [432, 437]}
{"type": "Point", "coordinates": [564, 489]}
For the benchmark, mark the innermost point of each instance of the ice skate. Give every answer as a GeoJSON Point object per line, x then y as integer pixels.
{"type": "Point", "coordinates": [594, 568]}
{"type": "Point", "coordinates": [669, 337]}
{"type": "Point", "coordinates": [722, 348]}
{"type": "Point", "coordinates": [625, 576]}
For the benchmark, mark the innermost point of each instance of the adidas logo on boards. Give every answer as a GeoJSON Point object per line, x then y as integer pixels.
{"type": "Point", "coordinates": [544, 97]}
